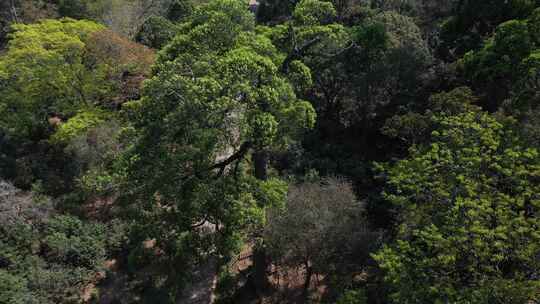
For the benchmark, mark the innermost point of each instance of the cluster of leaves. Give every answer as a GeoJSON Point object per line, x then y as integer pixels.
{"type": "Point", "coordinates": [43, 72]}
{"type": "Point", "coordinates": [473, 21]}
{"type": "Point", "coordinates": [505, 69]}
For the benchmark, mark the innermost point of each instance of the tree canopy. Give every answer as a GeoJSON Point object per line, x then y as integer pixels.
{"type": "Point", "coordinates": [271, 151]}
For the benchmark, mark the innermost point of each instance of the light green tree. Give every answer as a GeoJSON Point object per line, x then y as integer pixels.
{"type": "Point", "coordinates": [468, 211]}
{"type": "Point", "coordinates": [43, 73]}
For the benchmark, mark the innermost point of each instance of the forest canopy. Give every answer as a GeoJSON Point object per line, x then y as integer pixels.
{"type": "Point", "coordinates": [299, 151]}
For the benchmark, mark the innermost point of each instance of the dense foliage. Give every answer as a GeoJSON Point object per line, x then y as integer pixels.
{"type": "Point", "coordinates": [46, 258]}
{"type": "Point", "coordinates": [311, 151]}
{"type": "Point", "coordinates": [468, 205]}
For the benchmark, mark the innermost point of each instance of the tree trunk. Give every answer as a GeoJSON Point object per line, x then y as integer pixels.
{"type": "Point", "coordinates": [260, 160]}
{"type": "Point", "coordinates": [260, 270]}
{"type": "Point", "coordinates": [260, 258]}
{"type": "Point", "coordinates": [14, 16]}
{"type": "Point", "coordinates": [307, 282]}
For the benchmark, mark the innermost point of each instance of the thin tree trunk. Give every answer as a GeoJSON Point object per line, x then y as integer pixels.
{"type": "Point", "coordinates": [14, 16]}
{"type": "Point", "coordinates": [260, 258]}
{"type": "Point", "coordinates": [260, 273]}
{"type": "Point", "coordinates": [307, 282]}
{"type": "Point", "coordinates": [260, 160]}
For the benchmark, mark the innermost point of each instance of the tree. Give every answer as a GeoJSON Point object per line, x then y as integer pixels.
{"type": "Point", "coordinates": [43, 72]}
{"type": "Point", "coordinates": [180, 9]}
{"type": "Point", "coordinates": [272, 10]}
{"type": "Point", "coordinates": [362, 75]}
{"type": "Point", "coordinates": [23, 11]}
{"type": "Point", "coordinates": [413, 128]}
{"type": "Point", "coordinates": [156, 32]}
{"type": "Point", "coordinates": [320, 229]}
{"type": "Point", "coordinates": [12, 289]}
{"type": "Point", "coordinates": [496, 67]}
{"type": "Point", "coordinates": [475, 20]}
{"type": "Point", "coordinates": [78, 9]}
{"type": "Point", "coordinates": [217, 98]}
{"type": "Point", "coordinates": [468, 213]}
{"type": "Point", "coordinates": [277, 11]}
{"type": "Point", "coordinates": [124, 17]}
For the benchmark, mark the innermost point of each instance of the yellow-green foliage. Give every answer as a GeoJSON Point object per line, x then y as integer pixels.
{"type": "Point", "coordinates": [78, 125]}
{"type": "Point", "coordinates": [43, 73]}
{"type": "Point", "coordinates": [468, 230]}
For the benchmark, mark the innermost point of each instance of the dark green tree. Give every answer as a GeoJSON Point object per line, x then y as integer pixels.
{"type": "Point", "coordinates": [180, 9]}
{"type": "Point", "coordinates": [45, 257]}
{"type": "Point", "coordinates": [473, 21]}
{"type": "Point", "coordinates": [496, 67]}
{"type": "Point", "coordinates": [216, 104]}
{"type": "Point", "coordinates": [156, 32]}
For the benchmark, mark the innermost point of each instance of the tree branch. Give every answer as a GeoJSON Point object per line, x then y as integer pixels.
{"type": "Point", "coordinates": [298, 52]}
{"type": "Point", "coordinates": [244, 148]}
{"type": "Point", "coordinates": [14, 15]}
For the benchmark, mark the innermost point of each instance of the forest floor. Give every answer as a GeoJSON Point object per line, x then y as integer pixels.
{"type": "Point", "coordinates": [286, 284]}
{"type": "Point", "coordinates": [118, 286]}
{"type": "Point", "coordinates": [203, 289]}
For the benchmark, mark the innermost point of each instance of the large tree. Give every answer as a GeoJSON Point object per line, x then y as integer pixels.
{"type": "Point", "coordinates": [43, 72]}
{"type": "Point", "coordinates": [361, 73]}
{"type": "Point", "coordinates": [216, 105]}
